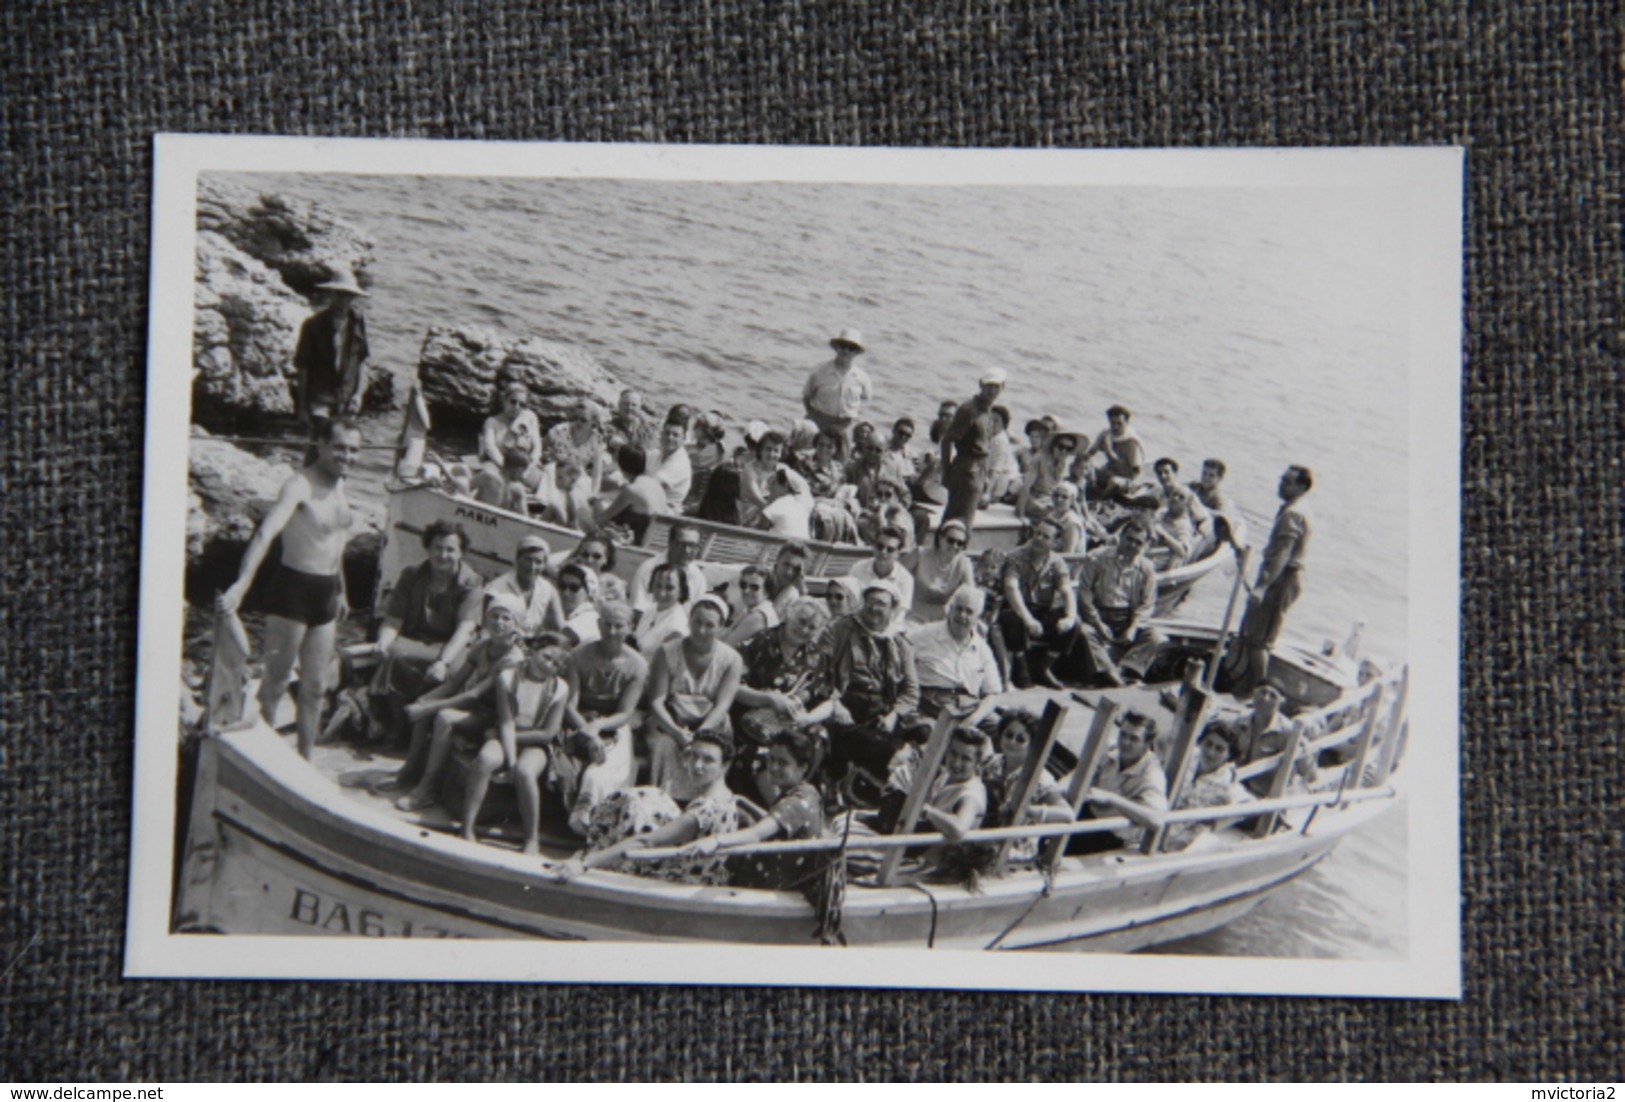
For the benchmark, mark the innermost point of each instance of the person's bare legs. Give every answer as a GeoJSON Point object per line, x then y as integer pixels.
{"type": "Point", "coordinates": [315, 655]}
{"type": "Point", "coordinates": [664, 757]}
{"type": "Point", "coordinates": [446, 723]}
{"type": "Point", "coordinates": [528, 784]}
{"type": "Point", "coordinates": [479, 780]}
{"type": "Point", "coordinates": [283, 641]}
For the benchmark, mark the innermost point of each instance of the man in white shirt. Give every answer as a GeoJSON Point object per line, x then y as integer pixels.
{"type": "Point", "coordinates": [682, 551]}
{"type": "Point", "coordinates": [673, 467]}
{"type": "Point", "coordinates": [957, 668]}
{"type": "Point", "coordinates": [836, 391]}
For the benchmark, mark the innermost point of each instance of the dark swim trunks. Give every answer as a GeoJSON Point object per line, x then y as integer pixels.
{"type": "Point", "coordinates": [309, 599]}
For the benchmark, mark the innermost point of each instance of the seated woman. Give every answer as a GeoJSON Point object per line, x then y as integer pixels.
{"type": "Point", "coordinates": [649, 817]}
{"type": "Point", "coordinates": [668, 620]}
{"type": "Point", "coordinates": [843, 595]}
{"type": "Point", "coordinates": [638, 501]}
{"type": "Point", "coordinates": [530, 699]}
{"type": "Point", "coordinates": [607, 678]}
{"type": "Point", "coordinates": [1002, 772]}
{"type": "Point", "coordinates": [578, 600]}
{"type": "Point", "coordinates": [597, 552]}
{"type": "Point", "coordinates": [756, 474]}
{"type": "Point", "coordinates": [756, 610]}
{"type": "Point", "coordinates": [706, 452]}
{"type": "Point", "coordinates": [792, 757]}
{"type": "Point", "coordinates": [1078, 524]}
{"type": "Point", "coordinates": [510, 451]}
{"type": "Point", "coordinates": [692, 682]}
{"type": "Point", "coordinates": [785, 687]}
{"type": "Point", "coordinates": [1048, 466]}
{"type": "Point", "coordinates": [939, 571]}
{"type": "Point", "coordinates": [824, 469]}
{"type": "Point", "coordinates": [463, 704]}
{"type": "Point", "coordinates": [420, 618]}
{"type": "Point", "coordinates": [576, 448]}
{"type": "Point", "coordinates": [1213, 785]}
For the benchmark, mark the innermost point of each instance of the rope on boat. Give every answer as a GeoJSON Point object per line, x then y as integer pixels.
{"type": "Point", "coordinates": [1039, 896]}
{"type": "Point", "coordinates": [931, 935]}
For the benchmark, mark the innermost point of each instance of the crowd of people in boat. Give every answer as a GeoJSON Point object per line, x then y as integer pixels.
{"type": "Point", "coordinates": [724, 690]}
{"type": "Point", "coordinates": [799, 704]}
{"type": "Point", "coordinates": [833, 475]}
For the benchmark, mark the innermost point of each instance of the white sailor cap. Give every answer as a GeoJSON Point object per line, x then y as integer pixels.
{"type": "Point", "coordinates": [994, 376]}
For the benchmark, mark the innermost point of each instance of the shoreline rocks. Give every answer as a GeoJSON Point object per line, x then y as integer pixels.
{"type": "Point", "coordinates": [461, 367]}
{"type": "Point", "coordinates": [259, 258]}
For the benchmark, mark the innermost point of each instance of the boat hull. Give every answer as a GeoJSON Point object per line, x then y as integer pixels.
{"type": "Point", "coordinates": [276, 848]}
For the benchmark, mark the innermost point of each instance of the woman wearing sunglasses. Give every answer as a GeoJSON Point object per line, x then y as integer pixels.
{"type": "Point", "coordinates": [939, 570]}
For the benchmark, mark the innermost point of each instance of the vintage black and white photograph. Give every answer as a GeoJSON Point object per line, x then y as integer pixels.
{"type": "Point", "coordinates": [932, 568]}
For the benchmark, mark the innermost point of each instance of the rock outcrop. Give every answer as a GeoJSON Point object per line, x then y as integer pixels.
{"type": "Point", "coordinates": [460, 368]}
{"type": "Point", "coordinates": [301, 241]}
{"type": "Point", "coordinates": [231, 491]}
{"type": "Point", "coordinates": [259, 259]}
{"type": "Point", "coordinates": [245, 323]}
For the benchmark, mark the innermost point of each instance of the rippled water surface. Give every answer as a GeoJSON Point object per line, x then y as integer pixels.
{"type": "Point", "coordinates": [1263, 326]}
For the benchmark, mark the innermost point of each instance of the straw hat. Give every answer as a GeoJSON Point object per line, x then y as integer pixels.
{"type": "Point", "coordinates": [343, 280]}
{"type": "Point", "coordinates": [847, 336]}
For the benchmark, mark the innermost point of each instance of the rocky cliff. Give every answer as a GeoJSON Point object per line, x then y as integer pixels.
{"type": "Point", "coordinates": [461, 367]}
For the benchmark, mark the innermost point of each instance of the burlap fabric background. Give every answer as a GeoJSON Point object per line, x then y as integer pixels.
{"type": "Point", "coordinates": [1532, 90]}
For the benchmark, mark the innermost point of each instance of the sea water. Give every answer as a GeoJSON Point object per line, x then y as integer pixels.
{"type": "Point", "coordinates": [1264, 326]}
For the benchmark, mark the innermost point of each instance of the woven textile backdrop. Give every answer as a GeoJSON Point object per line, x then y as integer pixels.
{"type": "Point", "coordinates": [1532, 90]}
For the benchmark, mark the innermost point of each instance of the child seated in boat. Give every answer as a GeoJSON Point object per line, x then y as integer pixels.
{"type": "Point", "coordinates": [530, 701]}
{"type": "Point", "coordinates": [463, 704]}
{"type": "Point", "coordinates": [649, 817]}
{"type": "Point", "coordinates": [607, 678]}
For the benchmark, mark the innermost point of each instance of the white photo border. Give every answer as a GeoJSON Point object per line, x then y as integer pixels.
{"type": "Point", "coordinates": [1431, 177]}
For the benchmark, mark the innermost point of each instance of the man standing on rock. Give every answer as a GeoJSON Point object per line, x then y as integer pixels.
{"type": "Point", "coordinates": [305, 596]}
{"type": "Point", "coordinates": [836, 391]}
{"type": "Point", "coordinates": [331, 355]}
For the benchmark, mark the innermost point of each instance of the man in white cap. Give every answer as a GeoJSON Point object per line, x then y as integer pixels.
{"type": "Point", "coordinates": [329, 358]}
{"type": "Point", "coordinates": [965, 446]}
{"type": "Point", "coordinates": [873, 668]}
{"type": "Point", "coordinates": [835, 391]}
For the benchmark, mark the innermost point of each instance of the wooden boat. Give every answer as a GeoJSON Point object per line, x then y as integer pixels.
{"type": "Point", "coordinates": [494, 536]}
{"type": "Point", "coordinates": [278, 845]}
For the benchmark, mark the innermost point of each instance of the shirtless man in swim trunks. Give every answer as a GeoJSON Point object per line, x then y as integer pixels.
{"type": "Point", "coordinates": [307, 596]}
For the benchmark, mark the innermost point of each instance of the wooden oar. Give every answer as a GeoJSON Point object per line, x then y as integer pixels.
{"type": "Point", "coordinates": [924, 773]}
{"type": "Point", "coordinates": [226, 692]}
{"type": "Point", "coordinates": [1041, 741]}
{"type": "Point", "coordinates": [1089, 758]}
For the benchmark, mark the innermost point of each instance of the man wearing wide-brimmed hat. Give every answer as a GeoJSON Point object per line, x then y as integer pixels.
{"type": "Point", "coordinates": [835, 391]}
{"type": "Point", "coordinates": [328, 361]}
